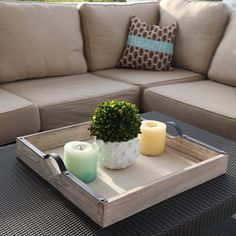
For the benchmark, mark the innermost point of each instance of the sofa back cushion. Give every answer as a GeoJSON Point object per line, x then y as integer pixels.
{"type": "Point", "coordinates": [223, 66]}
{"type": "Point", "coordinates": [39, 40]}
{"type": "Point", "coordinates": [200, 29]}
{"type": "Point", "coordinates": [106, 27]}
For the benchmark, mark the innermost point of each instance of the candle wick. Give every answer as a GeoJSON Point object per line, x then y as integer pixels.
{"type": "Point", "coordinates": [80, 147]}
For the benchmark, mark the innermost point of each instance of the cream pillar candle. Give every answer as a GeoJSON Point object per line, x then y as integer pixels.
{"type": "Point", "coordinates": [152, 138]}
{"type": "Point", "coordinates": [81, 160]}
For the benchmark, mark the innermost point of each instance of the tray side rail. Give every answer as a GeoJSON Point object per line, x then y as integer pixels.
{"type": "Point", "coordinates": [80, 194]}
{"type": "Point", "coordinates": [142, 197]}
{"type": "Point", "coordinates": [58, 137]}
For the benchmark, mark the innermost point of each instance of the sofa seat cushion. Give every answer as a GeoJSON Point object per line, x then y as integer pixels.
{"type": "Point", "coordinates": [17, 117]}
{"type": "Point", "coordinates": [223, 65]}
{"type": "Point", "coordinates": [106, 27]}
{"type": "Point", "coordinates": [71, 99]}
{"type": "Point", "coordinates": [145, 79]}
{"type": "Point", "coordinates": [206, 104]}
{"type": "Point", "coordinates": [39, 40]}
{"type": "Point", "coordinates": [200, 29]}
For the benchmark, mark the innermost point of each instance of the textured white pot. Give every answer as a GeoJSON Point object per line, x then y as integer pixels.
{"type": "Point", "coordinates": [118, 155]}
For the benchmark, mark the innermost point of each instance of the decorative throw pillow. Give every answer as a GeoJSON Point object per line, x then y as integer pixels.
{"type": "Point", "coordinates": [148, 47]}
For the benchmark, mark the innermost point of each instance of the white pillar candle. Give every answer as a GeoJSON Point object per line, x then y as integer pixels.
{"type": "Point", "coordinates": [152, 138]}
{"type": "Point", "coordinates": [81, 160]}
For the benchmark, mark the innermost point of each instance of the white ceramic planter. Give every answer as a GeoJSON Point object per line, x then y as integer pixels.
{"type": "Point", "coordinates": [118, 155]}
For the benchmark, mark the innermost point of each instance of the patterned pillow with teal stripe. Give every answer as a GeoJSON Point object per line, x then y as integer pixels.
{"type": "Point", "coordinates": [149, 47]}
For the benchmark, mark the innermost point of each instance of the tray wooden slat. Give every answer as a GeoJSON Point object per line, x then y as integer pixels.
{"type": "Point", "coordinates": [138, 199]}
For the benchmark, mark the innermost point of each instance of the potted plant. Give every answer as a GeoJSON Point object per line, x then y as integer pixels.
{"type": "Point", "coordinates": [116, 125]}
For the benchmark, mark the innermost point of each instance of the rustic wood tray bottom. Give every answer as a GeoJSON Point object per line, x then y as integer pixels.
{"type": "Point", "coordinates": [145, 170]}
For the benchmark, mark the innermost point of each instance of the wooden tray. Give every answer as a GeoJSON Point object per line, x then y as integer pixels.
{"type": "Point", "coordinates": [117, 194]}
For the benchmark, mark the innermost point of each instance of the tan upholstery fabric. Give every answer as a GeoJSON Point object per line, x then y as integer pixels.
{"type": "Point", "coordinates": [223, 66]}
{"type": "Point", "coordinates": [200, 28]}
{"type": "Point", "coordinates": [17, 117]}
{"type": "Point", "coordinates": [39, 40]}
{"type": "Point", "coordinates": [206, 104]}
{"type": "Point", "coordinates": [105, 30]}
{"type": "Point", "coordinates": [71, 99]}
{"type": "Point", "coordinates": [145, 79]}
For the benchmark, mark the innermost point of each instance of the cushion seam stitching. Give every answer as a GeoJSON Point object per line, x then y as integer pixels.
{"type": "Point", "coordinates": [71, 102]}
{"type": "Point", "coordinates": [88, 37]}
{"type": "Point", "coordinates": [19, 109]}
{"type": "Point", "coordinates": [171, 99]}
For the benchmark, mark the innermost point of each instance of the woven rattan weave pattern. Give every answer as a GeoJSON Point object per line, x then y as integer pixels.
{"type": "Point", "coordinates": [227, 228]}
{"type": "Point", "coordinates": [30, 206]}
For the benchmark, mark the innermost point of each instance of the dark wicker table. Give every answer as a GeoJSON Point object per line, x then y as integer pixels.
{"type": "Point", "coordinates": [30, 206]}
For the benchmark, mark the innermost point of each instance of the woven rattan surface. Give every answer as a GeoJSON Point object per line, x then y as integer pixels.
{"type": "Point", "coordinates": [30, 206]}
{"type": "Point", "coordinates": [227, 228]}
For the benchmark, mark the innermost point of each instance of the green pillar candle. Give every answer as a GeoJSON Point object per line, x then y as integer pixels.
{"type": "Point", "coordinates": [81, 160]}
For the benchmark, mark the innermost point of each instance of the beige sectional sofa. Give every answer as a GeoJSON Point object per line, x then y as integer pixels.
{"type": "Point", "coordinates": [58, 61]}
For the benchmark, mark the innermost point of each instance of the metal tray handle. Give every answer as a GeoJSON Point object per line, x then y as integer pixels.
{"type": "Point", "coordinates": [58, 159]}
{"type": "Point", "coordinates": [181, 134]}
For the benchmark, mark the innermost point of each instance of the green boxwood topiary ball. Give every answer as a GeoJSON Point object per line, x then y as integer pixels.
{"type": "Point", "coordinates": [115, 121]}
